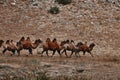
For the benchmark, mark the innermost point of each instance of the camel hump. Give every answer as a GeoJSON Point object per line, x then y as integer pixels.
{"type": "Point", "coordinates": [12, 44]}
{"type": "Point", "coordinates": [48, 40]}
{"type": "Point", "coordinates": [72, 41]}
{"type": "Point", "coordinates": [22, 39]}
{"type": "Point", "coordinates": [8, 41]}
{"type": "Point", "coordinates": [67, 41]}
{"type": "Point", "coordinates": [54, 40]}
{"type": "Point", "coordinates": [28, 39]}
{"type": "Point", "coordinates": [84, 47]}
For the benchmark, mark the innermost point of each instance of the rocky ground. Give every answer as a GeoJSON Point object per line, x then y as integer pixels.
{"type": "Point", "coordinates": [56, 68]}
{"type": "Point", "coordinates": [95, 21]}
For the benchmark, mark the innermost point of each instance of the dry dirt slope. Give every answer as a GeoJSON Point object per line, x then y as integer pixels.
{"type": "Point", "coordinates": [82, 20]}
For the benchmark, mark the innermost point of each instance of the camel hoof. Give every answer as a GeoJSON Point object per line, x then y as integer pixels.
{"type": "Point", "coordinates": [11, 55]}
{"type": "Point", "coordinates": [26, 55]}
{"type": "Point", "coordinates": [41, 56]}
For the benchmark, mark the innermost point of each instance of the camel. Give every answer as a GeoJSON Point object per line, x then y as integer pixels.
{"type": "Point", "coordinates": [76, 49]}
{"type": "Point", "coordinates": [9, 46]}
{"type": "Point", "coordinates": [84, 48]}
{"type": "Point", "coordinates": [52, 46]}
{"type": "Point", "coordinates": [69, 46]}
{"type": "Point", "coordinates": [27, 44]}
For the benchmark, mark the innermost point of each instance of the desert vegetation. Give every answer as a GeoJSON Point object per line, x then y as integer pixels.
{"type": "Point", "coordinates": [54, 10]}
{"type": "Point", "coordinates": [64, 2]}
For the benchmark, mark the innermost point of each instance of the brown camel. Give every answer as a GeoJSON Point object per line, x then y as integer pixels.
{"type": "Point", "coordinates": [27, 44]}
{"type": "Point", "coordinates": [9, 46]}
{"type": "Point", "coordinates": [69, 46]}
{"type": "Point", "coordinates": [84, 48]}
{"type": "Point", "coordinates": [52, 46]}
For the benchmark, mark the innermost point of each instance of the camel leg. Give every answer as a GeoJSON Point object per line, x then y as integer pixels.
{"type": "Point", "coordinates": [47, 53]}
{"type": "Point", "coordinates": [13, 51]}
{"type": "Point", "coordinates": [4, 51]}
{"type": "Point", "coordinates": [71, 53]}
{"type": "Point", "coordinates": [76, 54]}
{"type": "Point", "coordinates": [66, 53]}
{"type": "Point", "coordinates": [90, 53]}
{"type": "Point", "coordinates": [18, 51]}
{"type": "Point", "coordinates": [63, 51]}
{"type": "Point", "coordinates": [84, 52]}
{"type": "Point", "coordinates": [42, 53]}
{"type": "Point", "coordinates": [53, 53]}
{"type": "Point", "coordinates": [30, 51]}
{"type": "Point", "coordinates": [59, 53]}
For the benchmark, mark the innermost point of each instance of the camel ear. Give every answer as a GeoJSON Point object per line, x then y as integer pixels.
{"type": "Point", "coordinates": [92, 44]}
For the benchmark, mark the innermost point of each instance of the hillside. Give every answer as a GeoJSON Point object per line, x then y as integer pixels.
{"type": "Point", "coordinates": [81, 20]}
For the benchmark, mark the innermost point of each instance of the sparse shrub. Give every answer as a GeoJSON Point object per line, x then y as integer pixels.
{"type": "Point", "coordinates": [54, 10]}
{"type": "Point", "coordinates": [64, 2]}
{"type": "Point", "coordinates": [42, 76]}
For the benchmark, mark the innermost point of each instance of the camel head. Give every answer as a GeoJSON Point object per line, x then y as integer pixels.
{"type": "Point", "coordinates": [79, 44]}
{"type": "Point", "coordinates": [38, 41]}
{"type": "Point", "coordinates": [22, 39]}
{"type": "Point", "coordinates": [62, 43]}
{"type": "Point", "coordinates": [1, 42]}
{"type": "Point", "coordinates": [91, 46]}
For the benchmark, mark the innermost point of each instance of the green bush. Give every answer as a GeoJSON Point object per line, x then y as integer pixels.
{"type": "Point", "coordinates": [54, 10]}
{"type": "Point", "coordinates": [64, 2]}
